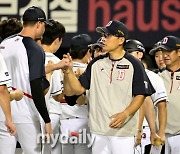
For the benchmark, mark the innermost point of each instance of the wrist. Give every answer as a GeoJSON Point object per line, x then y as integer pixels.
{"type": "Point", "coordinates": [139, 130]}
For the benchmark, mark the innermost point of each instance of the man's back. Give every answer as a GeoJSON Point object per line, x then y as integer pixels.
{"type": "Point", "coordinates": [20, 58]}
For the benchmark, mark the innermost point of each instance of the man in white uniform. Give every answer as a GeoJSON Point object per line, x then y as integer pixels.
{"type": "Point", "coordinates": [170, 47]}
{"type": "Point", "coordinates": [52, 40]}
{"type": "Point", "coordinates": [5, 80]}
{"type": "Point", "coordinates": [74, 119]}
{"type": "Point", "coordinates": [25, 63]}
{"type": "Point", "coordinates": [159, 99]}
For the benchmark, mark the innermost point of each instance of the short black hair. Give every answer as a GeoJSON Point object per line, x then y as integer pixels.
{"type": "Point", "coordinates": [10, 27]}
{"type": "Point", "coordinates": [57, 30]}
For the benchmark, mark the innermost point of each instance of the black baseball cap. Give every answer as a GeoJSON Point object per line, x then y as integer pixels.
{"type": "Point", "coordinates": [168, 43]}
{"type": "Point", "coordinates": [35, 14]}
{"type": "Point", "coordinates": [155, 48]}
{"type": "Point", "coordinates": [114, 27]}
{"type": "Point", "coordinates": [80, 41]}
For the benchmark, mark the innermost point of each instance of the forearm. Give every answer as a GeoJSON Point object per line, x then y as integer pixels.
{"type": "Point", "coordinates": [162, 117]}
{"type": "Point", "coordinates": [150, 113]}
{"type": "Point", "coordinates": [38, 98]}
{"type": "Point", "coordinates": [141, 117]}
{"type": "Point", "coordinates": [72, 86]}
{"type": "Point", "coordinates": [5, 102]}
{"type": "Point", "coordinates": [135, 105]}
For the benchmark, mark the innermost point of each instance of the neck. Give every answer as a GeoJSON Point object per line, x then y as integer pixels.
{"type": "Point", "coordinates": [117, 54]}
{"type": "Point", "coordinates": [175, 66]}
{"type": "Point", "coordinates": [27, 32]}
{"type": "Point", "coordinates": [47, 48]}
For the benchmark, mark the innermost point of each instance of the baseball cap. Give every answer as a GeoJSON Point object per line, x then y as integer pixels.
{"type": "Point", "coordinates": [168, 43]}
{"type": "Point", "coordinates": [97, 44]}
{"type": "Point", "coordinates": [35, 14]}
{"type": "Point", "coordinates": [134, 45]}
{"type": "Point", "coordinates": [114, 27]}
{"type": "Point", "coordinates": [81, 41]}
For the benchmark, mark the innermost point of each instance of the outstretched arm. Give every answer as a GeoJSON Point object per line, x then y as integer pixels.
{"type": "Point", "coordinates": [72, 86]}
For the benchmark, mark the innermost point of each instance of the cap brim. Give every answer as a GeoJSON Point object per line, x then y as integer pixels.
{"type": "Point", "coordinates": [48, 23]}
{"type": "Point", "coordinates": [95, 45]}
{"type": "Point", "coordinates": [102, 30]}
{"type": "Point", "coordinates": [152, 51]}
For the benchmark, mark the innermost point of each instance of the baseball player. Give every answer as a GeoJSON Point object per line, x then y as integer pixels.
{"type": "Point", "coordinates": [112, 80]}
{"type": "Point", "coordinates": [97, 48]}
{"type": "Point", "coordinates": [25, 63]}
{"type": "Point", "coordinates": [170, 47]}
{"type": "Point", "coordinates": [158, 58]}
{"type": "Point", "coordinates": [74, 119]}
{"type": "Point", "coordinates": [52, 40]}
{"type": "Point", "coordinates": [5, 99]}
{"type": "Point", "coordinates": [159, 99]}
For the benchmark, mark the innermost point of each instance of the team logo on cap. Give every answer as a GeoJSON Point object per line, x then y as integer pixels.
{"type": "Point", "coordinates": [109, 23]}
{"type": "Point", "coordinates": [120, 31]}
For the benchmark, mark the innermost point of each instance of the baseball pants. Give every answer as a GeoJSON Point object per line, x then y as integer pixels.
{"type": "Point", "coordinates": [172, 144]}
{"type": "Point", "coordinates": [26, 135]}
{"type": "Point", "coordinates": [112, 144]}
{"type": "Point", "coordinates": [72, 129]}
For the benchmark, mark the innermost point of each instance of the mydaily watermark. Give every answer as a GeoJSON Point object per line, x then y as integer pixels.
{"type": "Point", "coordinates": [70, 137]}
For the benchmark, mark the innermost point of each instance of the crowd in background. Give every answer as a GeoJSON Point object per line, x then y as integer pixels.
{"type": "Point", "coordinates": [104, 89]}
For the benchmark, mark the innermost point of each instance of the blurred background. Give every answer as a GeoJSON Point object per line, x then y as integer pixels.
{"type": "Point", "coordinates": [147, 20]}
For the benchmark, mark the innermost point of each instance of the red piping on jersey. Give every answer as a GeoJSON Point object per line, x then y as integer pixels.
{"type": "Point", "coordinates": [25, 94]}
{"type": "Point", "coordinates": [172, 76]}
{"type": "Point", "coordinates": [113, 62]}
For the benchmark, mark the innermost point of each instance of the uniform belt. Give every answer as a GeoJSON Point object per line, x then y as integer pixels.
{"type": "Point", "coordinates": [72, 118]}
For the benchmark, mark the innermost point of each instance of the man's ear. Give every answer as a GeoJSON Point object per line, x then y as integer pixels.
{"type": "Point", "coordinates": [121, 40]}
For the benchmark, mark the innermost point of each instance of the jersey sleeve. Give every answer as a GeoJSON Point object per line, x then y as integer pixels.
{"type": "Point", "coordinates": [57, 83]}
{"type": "Point", "coordinates": [4, 75]}
{"type": "Point", "coordinates": [141, 84]}
{"type": "Point", "coordinates": [36, 59]}
{"type": "Point", "coordinates": [158, 85]}
{"type": "Point", "coordinates": [85, 77]}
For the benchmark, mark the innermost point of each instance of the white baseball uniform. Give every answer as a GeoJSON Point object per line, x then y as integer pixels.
{"type": "Point", "coordinates": [24, 60]}
{"type": "Point", "coordinates": [172, 84]}
{"type": "Point", "coordinates": [158, 96]}
{"type": "Point", "coordinates": [54, 107]}
{"type": "Point", "coordinates": [73, 120]}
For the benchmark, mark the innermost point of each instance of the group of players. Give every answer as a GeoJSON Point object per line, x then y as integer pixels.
{"type": "Point", "coordinates": [102, 88]}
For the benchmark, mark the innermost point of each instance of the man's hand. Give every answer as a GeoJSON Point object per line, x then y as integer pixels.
{"type": "Point", "coordinates": [118, 120]}
{"type": "Point", "coordinates": [16, 95]}
{"type": "Point", "coordinates": [154, 137]}
{"type": "Point", "coordinates": [68, 63]}
{"type": "Point", "coordinates": [48, 129]}
{"type": "Point", "coordinates": [138, 138]}
{"type": "Point", "coordinates": [10, 127]}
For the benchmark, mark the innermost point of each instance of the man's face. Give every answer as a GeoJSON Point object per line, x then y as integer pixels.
{"type": "Point", "coordinates": [171, 58]}
{"type": "Point", "coordinates": [111, 42]}
{"type": "Point", "coordinates": [159, 59]}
